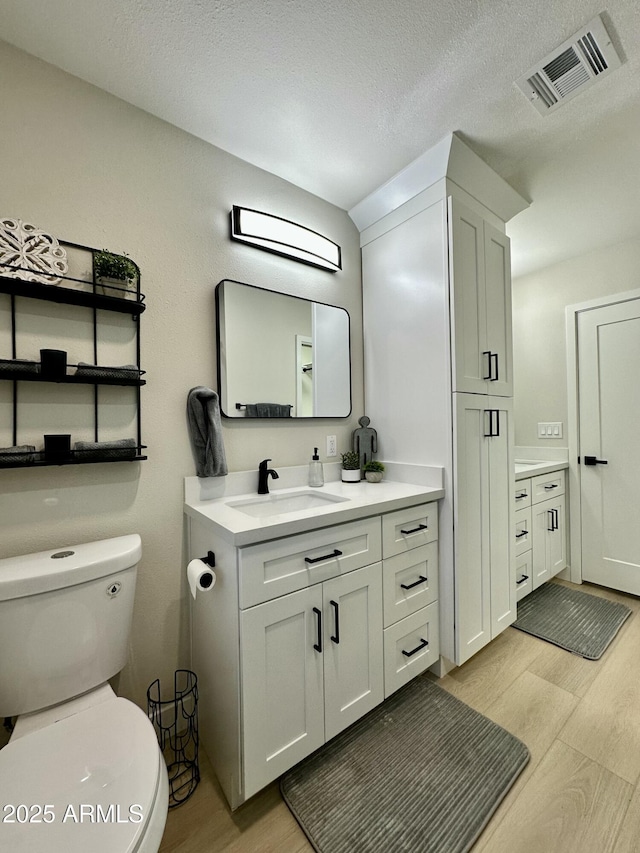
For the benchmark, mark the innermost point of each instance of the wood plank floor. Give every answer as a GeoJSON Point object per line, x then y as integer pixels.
{"type": "Point", "coordinates": [580, 791]}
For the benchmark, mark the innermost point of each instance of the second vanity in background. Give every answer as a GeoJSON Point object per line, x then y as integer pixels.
{"type": "Point", "coordinates": [540, 524]}
{"type": "Point", "coordinates": [317, 615]}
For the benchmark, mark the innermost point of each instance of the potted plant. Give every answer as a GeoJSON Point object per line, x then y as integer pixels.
{"type": "Point", "coordinates": [350, 467]}
{"type": "Point", "coordinates": [116, 273]}
{"type": "Point", "coordinates": [373, 471]}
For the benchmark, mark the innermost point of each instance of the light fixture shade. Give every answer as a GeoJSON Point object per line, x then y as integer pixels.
{"type": "Point", "coordinates": [282, 237]}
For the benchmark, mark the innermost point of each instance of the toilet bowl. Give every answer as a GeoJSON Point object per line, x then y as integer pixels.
{"type": "Point", "coordinates": [83, 772]}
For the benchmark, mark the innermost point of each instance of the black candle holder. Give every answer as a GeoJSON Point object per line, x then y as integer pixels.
{"type": "Point", "coordinates": [53, 364]}
{"type": "Point", "coordinates": [57, 447]}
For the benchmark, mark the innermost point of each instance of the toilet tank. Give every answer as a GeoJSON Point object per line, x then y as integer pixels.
{"type": "Point", "coordinates": [65, 620]}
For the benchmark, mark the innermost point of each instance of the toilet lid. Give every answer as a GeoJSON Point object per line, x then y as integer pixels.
{"type": "Point", "coordinates": [86, 783]}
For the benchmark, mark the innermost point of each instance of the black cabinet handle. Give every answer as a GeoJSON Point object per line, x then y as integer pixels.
{"type": "Point", "coordinates": [493, 433]}
{"type": "Point", "coordinates": [551, 487]}
{"type": "Point", "coordinates": [318, 646]}
{"type": "Point", "coordinates": [415, 529]}
{"type": "Point", "coordinates": [423, 644]}
{"type": "Point", "coordinates": [336, 615]}
{"type": "Point", "coordinates": [522, 495]}
{"type": "Point", "coordinates": [488, 354]}
{"type": "Point", "coordinates": [494, 355]}
{"type": "Point", "coordinates": [523, 533]}
{"type": "Point", "coordinates": [591, 460]}
{"type": "Point", "coordinates": [335, 553]}
{"type": "Point", "coordinates": [522, 580]}
{"type": "Point", "coordinates": [420, 580]}
{"type": "Point", "coordinates": [554, 520]}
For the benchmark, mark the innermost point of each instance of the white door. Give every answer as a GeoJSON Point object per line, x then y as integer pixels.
{"type": "Point", "coordinates": [282, 685]}
{"type": "Point", "coordinates": [497, 258]}
{"type": "Point", "coordinates": [609, 415]}
{"type": "Point", "coordinates": [501, 506]}
{"type": "Point", "coordinates": [353, 670]}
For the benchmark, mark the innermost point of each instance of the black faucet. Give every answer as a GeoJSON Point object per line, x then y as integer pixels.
{"type": "Point", "coordinates": [263, 477]}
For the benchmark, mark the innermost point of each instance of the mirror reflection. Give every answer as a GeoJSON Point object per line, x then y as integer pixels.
{"type": "Point", "coordinates": [281, 356]}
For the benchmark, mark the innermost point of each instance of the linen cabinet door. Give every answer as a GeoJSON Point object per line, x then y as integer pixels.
{"type": "Point", "coordinates": [471, 526]}
{"type": "Point", "coordinates": [499, 343]}
{"type": "Point", "coordinates": [282, 685]}
{"type": "Point", "coordinates": [471, 359]}
{"type": "Point", "coordinates": [353, 647]}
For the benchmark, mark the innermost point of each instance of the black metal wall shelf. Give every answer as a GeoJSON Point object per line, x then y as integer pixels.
{"type": "Point", "coordinates": [91, 293]}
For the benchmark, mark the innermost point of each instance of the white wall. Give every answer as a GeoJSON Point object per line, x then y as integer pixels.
{"type": "Point", "coordinates": [539, 301]}
{"type": "Point", "coordinates": [94, 170]}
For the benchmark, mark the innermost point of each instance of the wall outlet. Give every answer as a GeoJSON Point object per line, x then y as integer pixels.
{"type": "Point", "coordinates": [550, 430]}
{"type": "Point", "coordinates": [332, 446]}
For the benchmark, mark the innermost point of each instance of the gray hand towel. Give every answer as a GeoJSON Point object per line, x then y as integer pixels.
{"type": "Point", "coordinates": [205, 432]}
{"type": "Point", "coordinates": [22, 453]}
{"type": "Point", "coordinates": [123, 448]}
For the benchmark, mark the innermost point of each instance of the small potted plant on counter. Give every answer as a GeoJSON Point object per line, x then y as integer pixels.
{"type": "Point", "coordinates": [350, 467]}
{"type": "Point", "coordinates": [373, 471]}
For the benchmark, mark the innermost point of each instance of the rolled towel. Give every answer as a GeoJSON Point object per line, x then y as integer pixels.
{"type": "Point", "coordinates": [124, 448]}
{"type": "Point", "coordinates": [12, 365]}
{"type": "Point", "coordinates": [96, 371]}
{"type": "Point", "coordinates": [205, 432]}
{"type": "Point", "coordinates": [24, 454]}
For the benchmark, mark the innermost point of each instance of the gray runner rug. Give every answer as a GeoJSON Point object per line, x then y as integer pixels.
{"type": "Point", "coordinates": [421, 773]}
{"type": "Point", "coordinates": [576, 621]}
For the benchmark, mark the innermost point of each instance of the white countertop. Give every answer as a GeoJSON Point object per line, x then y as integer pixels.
{"type": "Point", "coordinates": [531, 468]}
{"type": "Point", "coordinates": [363, 499]}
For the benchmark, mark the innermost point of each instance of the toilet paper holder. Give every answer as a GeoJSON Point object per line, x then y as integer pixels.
{"type": "Point", "coordinates": [209, 560]}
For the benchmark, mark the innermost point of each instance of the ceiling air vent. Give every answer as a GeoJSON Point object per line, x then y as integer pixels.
{"type": "Point", "coordinates": [578, 63]}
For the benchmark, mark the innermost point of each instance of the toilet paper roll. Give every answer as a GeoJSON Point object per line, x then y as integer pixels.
{"type": "Point", "coordinates": [201, 577]}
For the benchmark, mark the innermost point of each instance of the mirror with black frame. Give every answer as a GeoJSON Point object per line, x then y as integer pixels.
{"type": "Point", "coordinates": [281, 356]}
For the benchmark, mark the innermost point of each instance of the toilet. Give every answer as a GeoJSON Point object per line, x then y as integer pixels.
{"type": "Point", "coordinates": [82, 770]}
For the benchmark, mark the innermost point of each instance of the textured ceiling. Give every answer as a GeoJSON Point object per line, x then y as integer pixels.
{"type": "Point", "coordinates": [337, 96]}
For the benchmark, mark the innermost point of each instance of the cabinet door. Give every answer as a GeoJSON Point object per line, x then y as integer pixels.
{"type": "Point", "coordinates": [471, 359]}
{"type": "Point", "coordinates": [483, 521]}
{"type": "Point", "coordinates": [471, 526]}
{"type": "Point", "coordinates": [497, 259]}
{"type": "Point", "coordinates": [549, 540]}
{"type": "Point", "coordinates": [353, 665]}
{"type": "Point", "coordinates": [282, 685]}
{"type": "Point", "coordinates": [501, 512]}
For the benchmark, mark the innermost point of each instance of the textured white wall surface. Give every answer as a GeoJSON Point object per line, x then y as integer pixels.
{"type": "Point", "coordinates": [539, 353]}
{"type": "Point", "coordinates": [94, 170]}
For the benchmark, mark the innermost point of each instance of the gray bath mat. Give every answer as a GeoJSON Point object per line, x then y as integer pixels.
{"type": "Point", "coordinates": [421, 773]}
{"type": "Point", "coordinates": [576, 621]}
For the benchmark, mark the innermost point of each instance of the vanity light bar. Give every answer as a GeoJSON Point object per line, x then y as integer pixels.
{"type": "Point", "coordinates": [282, 237]}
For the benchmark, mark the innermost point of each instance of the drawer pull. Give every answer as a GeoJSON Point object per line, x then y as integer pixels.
{"type": "Point", "coordinates": [423, 644]}
{"type": "Point", "coordinates": [335, 553]}
{"type": "Point", "coordinates": [420, 580]}
{"type": "Point", "coordinates": [318, 646]}
{"type": "Point", "coordinates": [521, 496]}
{"type": "Point", "coordinates": [551, 487]}
{"type": "Point", "coordinates": [520, 535]}
{"type": "Point", "coordinates": [336, 615]}
{"type": "Point", "coordinates": [415, 529]}
{"type": "Point", "coordinates": [522, 580]}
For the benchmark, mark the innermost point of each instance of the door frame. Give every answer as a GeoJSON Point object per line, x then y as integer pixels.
{"type": "Point", "coordinates": [572, 313]}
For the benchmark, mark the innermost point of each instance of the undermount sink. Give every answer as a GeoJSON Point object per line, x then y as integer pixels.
{"type": "Point", "coordinates": [275, 504]}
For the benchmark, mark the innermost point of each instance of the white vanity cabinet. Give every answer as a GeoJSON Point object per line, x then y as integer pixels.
{"type": "Point", "coordinates": [291, 646]}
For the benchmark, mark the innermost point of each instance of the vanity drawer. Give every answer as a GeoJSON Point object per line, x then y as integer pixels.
{"type": "Point", "coordinates": [409, 582]}
{"type": "Point", "coordinates": [270, 569]}
{"type": "Point", "coordinates": [409, 528]}
{"type": "Point", "coordinates": [523, 530]}
{"type": "Point", "coordinates": [410, 647]}
{"type": "Point", "coordinates": [524, 574]}
{"type": "Point", "coordinates": [547, 486]}
{"type": "Point", "coordinates": [523, 493]}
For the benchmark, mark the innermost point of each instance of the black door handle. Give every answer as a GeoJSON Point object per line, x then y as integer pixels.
{"type": "Point", "coordinates": [335, 553]}
{"type": "Point", "coordinates": [422, 645]}
{"type": "Point", "coordinates": [318, 646]}
{"type": "Point", "coordinates": [591, 460]}
{"type": "Point", "coordinates": [488, 353]}
{"type": "Point", "coordinates": [336, 615]}
{"type": "Point", "coordinates": [420, 580]}
{"type": "Point", "coordinates": [521, 534]}
{"type": "Point", "coordinates": [494, 355]}
{"type": "Point", "coordinates": [415, 529]}
{"type": "Point", "coordinates": [522, 580]}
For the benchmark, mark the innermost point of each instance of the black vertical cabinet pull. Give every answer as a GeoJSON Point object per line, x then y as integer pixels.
{"type": "Point", "coordinates": [493, 359]}
{"type": "Point", "coordinates": [318, 646]}
{"type": "Point", "coordinates": [494, 431]}
{"type": "Point", "coordinates": [488, 353]}
{"type": "Point", "coordinates": [554, 520]}
{"type": "Point", "coordinates": [335, 638]}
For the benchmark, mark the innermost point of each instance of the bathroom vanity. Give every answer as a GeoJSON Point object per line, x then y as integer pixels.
{"type": "Point", "coordinates": [540, 523]}
{"type": "Point", "coordinates": [325, 603]}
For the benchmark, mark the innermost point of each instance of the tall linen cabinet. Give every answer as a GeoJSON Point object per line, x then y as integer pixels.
{"type": "Point", "coordinates": [438, 369]}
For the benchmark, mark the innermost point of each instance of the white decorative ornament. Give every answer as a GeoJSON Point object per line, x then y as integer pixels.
{"type": "Point", "coordinates": [26, 252]}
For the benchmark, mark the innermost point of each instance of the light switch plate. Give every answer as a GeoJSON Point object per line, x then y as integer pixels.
{"type": "Point", "coordinates": [551, 429]}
